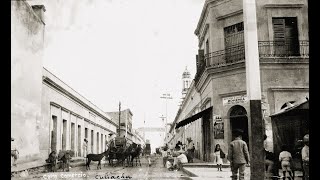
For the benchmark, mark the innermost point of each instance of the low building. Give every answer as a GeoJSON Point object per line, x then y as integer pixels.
{"type": "Point", "coordinates": [68, 118]}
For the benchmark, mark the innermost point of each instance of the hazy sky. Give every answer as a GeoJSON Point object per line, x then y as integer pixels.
{"type": "Point", "coordinates": [131, 51]}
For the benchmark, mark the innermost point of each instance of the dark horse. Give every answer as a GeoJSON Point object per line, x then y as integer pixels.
{"type": "Point", "coordinates": [52, 161]}
{"type": "Point", "coordinates": [96, 157]}
{"type": "Point", "coordinates": [120, 154]}
{"type": "Point", "coordinates": [135, 154]}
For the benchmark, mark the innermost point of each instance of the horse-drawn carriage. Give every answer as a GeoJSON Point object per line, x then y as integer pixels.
{"type": "Point", "coordinates": [121, 150]}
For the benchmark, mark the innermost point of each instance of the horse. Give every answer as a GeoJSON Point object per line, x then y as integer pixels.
{"type": "Point", "coordinates": [65, 159]}
{"type": "Point", "coordinates": [135, 153]}
{"type": "Point", "coordinates": [96, 157]}
{"type": "Point", "coordinates": [120, 154]}
{"type": "Point", "coordinates": [52, 161]}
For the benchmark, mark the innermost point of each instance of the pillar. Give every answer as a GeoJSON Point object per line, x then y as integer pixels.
{"type": "Point", "coordinates": [257, 167]}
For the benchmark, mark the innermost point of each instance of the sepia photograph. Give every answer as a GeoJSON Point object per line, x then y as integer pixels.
{"type": "Point", "coordinates": [160, 89]}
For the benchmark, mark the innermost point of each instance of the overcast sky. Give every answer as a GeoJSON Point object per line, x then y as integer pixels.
{"type": "Point", "coordinates": [131, 51]}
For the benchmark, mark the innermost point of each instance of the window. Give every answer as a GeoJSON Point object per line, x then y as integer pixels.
{"type": "Point", "coordinates": [285, 32]}
{"type": "Point", "coordinates": [234, 42]}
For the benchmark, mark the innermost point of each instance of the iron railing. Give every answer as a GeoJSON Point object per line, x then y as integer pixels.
{"type": "Point", "coordinates": [283, 49]}
{"type": "Point", "coordinates": [236, 54]}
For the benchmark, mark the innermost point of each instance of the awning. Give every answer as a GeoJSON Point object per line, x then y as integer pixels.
{"type": "Point", "coordinates": [301, 105]}
{"type": "Point", "coordinates": [193, 118]}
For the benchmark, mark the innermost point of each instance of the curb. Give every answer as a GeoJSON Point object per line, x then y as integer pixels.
{"type": "Point", "coordinates": [188, 172]}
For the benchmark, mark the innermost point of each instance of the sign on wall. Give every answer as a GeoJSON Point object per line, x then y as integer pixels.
{"type": "Point", "coordinates": [218, 127]}
{"type": "Point", "coordinates": [234, 100]}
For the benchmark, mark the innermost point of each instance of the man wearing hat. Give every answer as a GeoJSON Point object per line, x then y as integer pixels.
{"type": "Point", "coordinates": [180, 159]}
{"type": "Point", "coordinates": [14, 152]}
{"type": "Point", "coordinates": [238, 155]}
{"type": "Point", "coordinates": [305, 156]}
{"type": "Point", "coordinates": [111, 142]}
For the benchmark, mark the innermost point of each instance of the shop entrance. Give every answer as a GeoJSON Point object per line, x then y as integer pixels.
{"type": "Point", "coordinates": [239, 120]}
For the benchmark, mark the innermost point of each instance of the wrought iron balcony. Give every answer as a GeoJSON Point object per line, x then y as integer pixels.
{"type": "Point", "coordinates": [283, 49]}
{"type": "Point", "coordinates": [236, 54]}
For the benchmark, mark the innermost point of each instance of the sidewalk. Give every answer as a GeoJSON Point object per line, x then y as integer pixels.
{"type": "Point", "coordinates": [207, 170]}
{"type": "Point", "coordinates": [41, 163]}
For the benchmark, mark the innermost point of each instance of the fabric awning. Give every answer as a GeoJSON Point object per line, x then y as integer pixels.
{"type": "Point", "coordinates": [301, 105]}
{"type": "Point", "coordinates": [193, 118]}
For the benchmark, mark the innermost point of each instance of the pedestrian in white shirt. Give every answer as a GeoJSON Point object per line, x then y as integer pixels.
{"type": "Point", "coordinates": [180, 159]}
{"type": "Point", "coordinates": [164, 153]}
{"type": "Point", "coordinates": [285, 159]}
{"type": "Point", "coordinates": [85, 148]}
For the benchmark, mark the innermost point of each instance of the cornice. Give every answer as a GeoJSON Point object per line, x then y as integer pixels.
{"type": "Point", "coordinates": [283, 5]}
{"type": "Point", "coordinates": [229, 15]}
{"type": "Point", "coordinates": [79, 116]}
{"type": "Point", "coordinates": [289, 88]}
{"type": "Point", "coordinates": [237, 93]}
{"type": "Point", "coordinates": [205, 10]}
{"type": "Point", "coordinates": [50, 82]}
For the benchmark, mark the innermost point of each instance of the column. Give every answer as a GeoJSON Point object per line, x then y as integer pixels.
{"type": "Point", "coordinates": [256, 126]}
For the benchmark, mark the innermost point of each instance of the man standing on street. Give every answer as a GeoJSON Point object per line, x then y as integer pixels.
{"type": "Point", "coordinates": [238, 155]}
{"type": "Point", "coordinates": [85, 148]}
{"type": "Point", "coordinates": [305, 156]}
{"type": "Point", "coordinates": [190, 150]}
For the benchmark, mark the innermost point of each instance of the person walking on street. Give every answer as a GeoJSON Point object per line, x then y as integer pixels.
{"type": "Point", "coordinates": [285, 158]}
{"type": "Point", "coordinates": [269, 158]}
{"type": "Point", "coordinates": [164, 153]}
{"type": "Point", "coordinates": [238, 155]}
{"type": "Point", "coordinates": [190, 150]}
{"type": "Point", "coordinates": [219, 155]}
{"type": "Point", "coordinates": [305, 157]}
{"type": "Point", "coordinates": [14, 152]}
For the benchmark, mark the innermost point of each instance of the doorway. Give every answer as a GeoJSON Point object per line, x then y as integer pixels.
{"type": "Point", "coordinates": [239, 120]}
{"type": "Point", "coordinates": [64, 134]}
{"type": "Point", "coordinates": [54, 134]}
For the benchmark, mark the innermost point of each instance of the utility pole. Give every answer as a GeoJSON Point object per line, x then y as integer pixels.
{"type": "Point", "coordinates": [119, 116]}
{"type": "Point", "coordinates": [257, 166]}
{"type": "Point", "coordinates": [164, 137]}
{"type": "Point", "coordinates": [166, 96]}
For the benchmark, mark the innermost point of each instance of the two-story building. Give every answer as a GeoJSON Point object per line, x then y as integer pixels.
{"type": "Point", "coordinates": [125, 123]}
{"type": "Point", "coordinates": [216, 102]}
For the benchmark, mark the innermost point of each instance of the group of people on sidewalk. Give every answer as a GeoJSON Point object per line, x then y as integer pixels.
{"type": "Point", "coordinates": [174, 158]}
{"type": "Point", "coordinates": [238, 156]}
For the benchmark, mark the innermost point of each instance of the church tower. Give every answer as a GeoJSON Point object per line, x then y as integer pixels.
{"type": "Point", "coordinates": [186, 81]}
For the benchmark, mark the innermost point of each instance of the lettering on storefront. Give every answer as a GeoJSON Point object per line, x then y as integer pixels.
{"type": "Point", "coordinates": [234, 100]}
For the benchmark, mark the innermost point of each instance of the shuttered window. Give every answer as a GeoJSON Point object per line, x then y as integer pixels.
{"type": "Point", "coordinates": [285, 32]}
{"type": "Point", "coordinates": [234, 42]}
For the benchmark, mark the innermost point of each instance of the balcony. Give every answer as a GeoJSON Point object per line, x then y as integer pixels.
{"type": "Point", "coordinates": [267, 49]}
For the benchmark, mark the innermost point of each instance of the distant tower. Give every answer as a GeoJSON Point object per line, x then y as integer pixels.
{"type": "Point", "coordinates": [186, 81]}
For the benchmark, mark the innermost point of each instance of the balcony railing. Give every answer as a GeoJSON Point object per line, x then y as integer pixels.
{"type": "Point", "coordinates": [236, 54]}
{"type": "Point", "coordinates": [283, 49]}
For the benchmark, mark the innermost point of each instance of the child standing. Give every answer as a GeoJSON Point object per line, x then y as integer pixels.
{"type": "Point", "coordinates": [218, 153]}
{"type": "Point", "coordinates": [285, 159]}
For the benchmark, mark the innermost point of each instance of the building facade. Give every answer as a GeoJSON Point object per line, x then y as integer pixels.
{"type": "Point", "coordinates": [68, 118]}
{"type": "Point", "coordinates": [154, 135]}
{"type": "Point", "coordinates": [216, 102]}
{"type": "Point", "coordinates": [27, 45]}
{"type": "Point", "coordinates": [125, 123]}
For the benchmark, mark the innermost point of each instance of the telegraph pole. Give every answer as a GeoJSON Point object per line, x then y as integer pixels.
{"type": "Point", "coordinates": [119, 116]}
{"type": "Point", "coordinates": [166, 96]}
{"type": "Point", "coordinates": [257, 166]}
